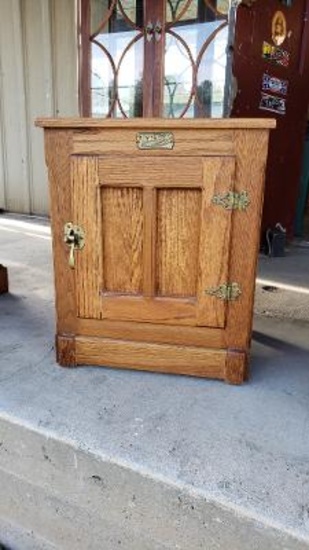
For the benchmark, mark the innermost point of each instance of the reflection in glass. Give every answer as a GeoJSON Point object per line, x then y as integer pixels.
{"type": "Point", "coordinates": [178, 77]}
{"type": "Point", "coordinates": [130, 79]}
{"type": "Point", "coordinates": [211, 77]}
{"type": "Point", "coordinates": [102, 83]}
{"type": "Point", "coordinates": [195, 58]}
{"type": "Point", "coordinates": [116, 57]}
{"type": "Point", "coordinates": [181, 10]}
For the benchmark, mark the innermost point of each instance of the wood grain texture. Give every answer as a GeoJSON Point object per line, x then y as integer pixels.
{"type": "Point", "coordinates": [58, 145]}
{"type": "Point", "coordinates": [122, 231]}
{"type": "Point", "coordinates": [236, 367]}
{"type": "Point", "coordinates": [251, 147]}
{"type": "Point", "coordinates": [150, 332]}
{"type": "Point", "coordinates": [143, 238]}
{"type": "Point", "coordinates": [154, 123]}
{"type": "Point", "coordinates": [122, 141]}
{"type": "Point", "coordinates": [151, 172]}
{"type": "Point", "coordinates": [65, 350]}
{"type": "Point", "coordinates": [219, 174]}
{"type": "Point", "coordinates": [150, 225]}
{"type": "Point", "coordinates": [177, 247]}
{"type": "Point", "coordinates": [171, 311]}
{"type": "Point", "coordinates": [4, 281]}
{"type": "Point", "coordinates": [143, 356]}
{"type": "Point", "coordinates": [88, 270]}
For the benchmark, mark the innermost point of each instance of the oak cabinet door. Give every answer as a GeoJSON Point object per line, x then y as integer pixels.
{"type": "Point", "coordinates": [156, 242]}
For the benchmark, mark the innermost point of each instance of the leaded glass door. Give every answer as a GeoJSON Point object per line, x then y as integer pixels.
{"type": "Point", "coordinates": [154, 58]}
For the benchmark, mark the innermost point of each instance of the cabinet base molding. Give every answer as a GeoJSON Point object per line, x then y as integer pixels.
{"type": "Point", "coordinates": [170, 359]}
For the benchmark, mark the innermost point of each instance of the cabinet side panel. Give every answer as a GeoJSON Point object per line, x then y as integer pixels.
{"type": "Point", "coordinates": [58, 148]}
{"type": "Point", "coordinates": [251, 147]}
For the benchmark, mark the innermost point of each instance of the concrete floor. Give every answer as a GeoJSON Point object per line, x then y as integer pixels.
{"type": "Point", "coordinates": [109, 458]}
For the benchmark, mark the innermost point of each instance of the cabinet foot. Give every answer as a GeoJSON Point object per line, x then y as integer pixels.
{"type": "Point", "coordinates": [65, 350]}
{"type": "Point", "coordinates": [4, 282]}
{"type": "Point", "coordinates": [236, 367]}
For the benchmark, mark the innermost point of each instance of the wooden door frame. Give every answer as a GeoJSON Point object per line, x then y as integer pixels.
{"type": "Point", "coordinates": [153, 57]}
{"type": "Point", "coordinates": [83, 27]}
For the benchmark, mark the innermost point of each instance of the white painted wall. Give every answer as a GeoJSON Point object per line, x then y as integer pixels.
{"type": "Point", "coordinates": [38, 77]}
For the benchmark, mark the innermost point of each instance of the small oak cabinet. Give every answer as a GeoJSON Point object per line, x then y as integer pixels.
{"type": "Point", "coordinates": [155, 228]}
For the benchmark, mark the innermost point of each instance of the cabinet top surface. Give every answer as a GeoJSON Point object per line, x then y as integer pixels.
{"type": "Point", "coordinates": [158, 123]}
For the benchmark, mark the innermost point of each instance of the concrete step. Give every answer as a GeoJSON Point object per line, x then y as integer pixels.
{"type": "Point", "coordinates": [62, 497]}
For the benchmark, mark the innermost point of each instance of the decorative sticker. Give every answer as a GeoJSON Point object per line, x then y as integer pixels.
{"type": "Point", "coordinates": [278, 28]}
{"type": "Point", "coordinates": [272, 103]}
{"type": "Point", "coordinates": [275, 55]}
{"type": "Point", "coordinates": [274, 85]}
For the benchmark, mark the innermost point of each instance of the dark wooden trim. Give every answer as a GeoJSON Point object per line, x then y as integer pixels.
{"type": "Point", "coordinates": [4, 281]}
{"type": "Point", "coordinates": [304, 39]}
{"type": "Point", "coordinates": [159, 62]}
{"type": "Point", "coordinates": [84, 58]}
{"type": "Point", "coordinates": [148, 62]}
{"type": "Point", "coordinates": [65, 350]}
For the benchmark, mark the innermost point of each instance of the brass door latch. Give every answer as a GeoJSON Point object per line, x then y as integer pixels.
{"type": "Point", "coordinates": [74, 237]}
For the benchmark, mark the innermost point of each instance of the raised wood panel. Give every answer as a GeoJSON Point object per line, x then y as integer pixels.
{"type": "Point", "coordinates": [85, 177]}
{"type": "Point", "coordinates": [219, 173]}
{"type": "Point", "coordinates": [173, 359]}
{"type": "Point", "coordinates": [122, 232]}
{"type": "Point", "coordinates": [151, 172]}
{"type": "Point", "coordinates": [177, 247]}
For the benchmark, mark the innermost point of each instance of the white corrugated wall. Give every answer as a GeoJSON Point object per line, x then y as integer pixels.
{"type": "Point", "coordinates": [38, 77]}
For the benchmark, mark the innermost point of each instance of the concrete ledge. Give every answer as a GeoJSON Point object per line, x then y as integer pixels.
{"type": "Point", "coordinates": [16, 538]}
{"type": "Point", "coordinates": [64, 494]}
{"type": "Point", "coordinates": [153, 461]}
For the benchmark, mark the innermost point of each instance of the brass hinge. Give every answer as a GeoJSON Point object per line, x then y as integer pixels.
{"type": "Point", "coordinates": [232, 200]}
{"type": "Point", "coordinates": [74, 237]}
{"type": "Point", "coordinates": [227, 291]}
